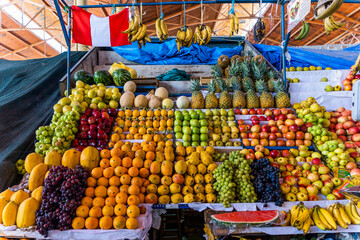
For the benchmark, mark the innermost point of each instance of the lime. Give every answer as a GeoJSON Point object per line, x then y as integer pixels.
{"type": "Point", "coordinates": [113, 104]}
{"type": "Point", "coordinates": [186, 137]}
{"type": "Point", "coordinates": [178, 135]}
{"type": "Point", "coordinates": [101, 105]}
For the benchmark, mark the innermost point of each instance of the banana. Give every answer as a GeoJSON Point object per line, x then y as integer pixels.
{"type": "Point", "coordinates": [333, 26]}
{"type": "Point", "coordinates": [131, 25]}
{"type": "Point", "coordinates": [355, 70]}
{"type": "Point", "coordinates": [232, 25]}
{"type": "Point", "coordinates": [189, 35]}
{"type": "Point", "coordinates": [164, 29]}
{"type": "Point", "coordinates": [142, 33]}
{"type": "Point", "coordinates": [303, 216]}
{"type": "Point", "coordinates": [298, 37]}
{"type": "Point", "coordinates": [334, 22]}
{"type": "Point", "coordinates": [294, 214]}
{"type": "Point", "coordinates": [323, 219]}
{"type": "Point", "coordinates": [208, 29]}
{"type": "Point", "coordinates": [306, 225]}
{"type": "Point", "coordinates": [343, 214]}
{"type": "Point", "coordinates": [317, 221]}
{"type": "Point", "coordinates": [354, 211]}
{"type": "Point", "coordinates": [338, 217]}
{"type": "Point", "coordinates": [287, 218]}
{"type": "Point", "coordinates": [330, 209]}
{"type": "Point", "coordinates": [159, 32]}
{"type": "Point", "coordinates": [349, 213]}
{"type": "Point", "coordinates": [328, 218]}
{"type": "Point", "coordinates": [236, 22]}
{"type": "Point", "coordinates": [136, 26]}
{"type": "Point", "coordinates": [204, 33]}
{"type": "Point", "coordinates": [300, 226]}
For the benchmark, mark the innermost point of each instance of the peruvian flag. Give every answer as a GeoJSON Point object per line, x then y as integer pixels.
{"type": "Point", "coordinates": [92, 30]}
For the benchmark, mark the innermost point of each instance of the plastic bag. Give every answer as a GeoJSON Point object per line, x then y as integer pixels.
{"type": "Point", "coordinates": [120, 65]}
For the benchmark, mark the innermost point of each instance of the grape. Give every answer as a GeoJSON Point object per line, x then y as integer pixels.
{"type": "Point", "coordinates": [266, 181]}
{"type": "Point", "coordinates": [61, 195]}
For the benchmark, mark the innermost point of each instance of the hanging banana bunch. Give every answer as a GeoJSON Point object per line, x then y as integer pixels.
{"type": "Point", "coordinates": [202, 34]}
{"type": "Point", "coordinates": [304, 31]}
{"type": "Point", "coordinates": [259, 30]}
{"type": "Point", "coordinates": [234, 24]}
{"type": "Point", "coordinates": [184, 37]}
{"type": "Point", "coordinates": [161, 29]}
{"type": "Point", "coordinates": [331, 24]}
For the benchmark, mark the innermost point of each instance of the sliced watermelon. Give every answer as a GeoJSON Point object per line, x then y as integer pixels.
{"type": "Point", "coordinates": [246, 217]}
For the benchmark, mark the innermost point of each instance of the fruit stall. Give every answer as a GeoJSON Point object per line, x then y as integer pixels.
{"type": "Point", "coordinates": [251, 149]}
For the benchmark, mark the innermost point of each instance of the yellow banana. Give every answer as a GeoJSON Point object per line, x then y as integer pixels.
{"type": "Point", "coordinates": [317, 220]}
{"type": "Point", "coordinates": [328, 218]}
{"type": "Point", "coordinates": [159, 33]}
{"type": "Point", "coordinates": [338, 217]}
{"type": "Point", "coordinates": [232, 22]}
{"type": "Point", "coordinates": [337, 24]}
{"type": "Point", "coordinates": [349, 213]}
{"type": "Point", "coordinates": [330, 209]}
{"type": "Point", "coordinates": [142, 32]}
{"type": "Point", "coordinates": [178, 45]}
{"type": "Point", "coordinates": [354, 211]}
{"type": "Point", "coordinates": [208, 29]}
{"type": "Point", "coordinates": [299, 226]}
{"type": "Point", "coordinates": [182, 35]}
{"type": "Point", "coordinates": [343, 214]}
{"type": "Point", "coordinates": [135, 28]}
{"type": "Point", "coordinates": [204, 33]}
{"type": "Point", "coordinates": [287, 218]}
{"type": "Point", "coordinates": [164, 29]}
{"type": "Point", "coordinates": [131, 25]}
{"type": "Point", "coordinates": [323, 219]}
{"type": "Point", "coordinates": [307, 225]}
{"type": "Point", "coordinates": [302, 216]}
{"type": "Point", "coordinates": [294, 214]}
{"type": "Point", "coordinates": [147, 38]}
{"type": "Point", "coordinates": [189, 35]}
{"type": "Point", "coordinates": [236, 22]}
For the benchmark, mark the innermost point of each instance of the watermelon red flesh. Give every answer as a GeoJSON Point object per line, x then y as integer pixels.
{"type": "Point", "coordinates": [247, 217]}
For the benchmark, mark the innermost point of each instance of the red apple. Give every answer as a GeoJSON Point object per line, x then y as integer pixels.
{"type": "Point", "coordinates": [290, 135]}
{"type": "Point", "coordinates": [296, 173]}
{"type": "Point", "coordinates": [284, 129]}
{"type": "Point", "coordinates": [268, 112]}
{"type": "Point", "coordinates": [284, 110]}
{"type": "Point", "coordinates": [294, 128]}
{"type": "Point", "coordinates": [342, 137]}
{"type": "Point", "coordinates": [271, 117]}
{"type": "Point", "coordinates": [290, 180]}
{"type": "Point", "coordinates": [354, 130]}
{"type": "Point", "coordinates": [342, 119]}
{"type": "Point", "coordinates": [305, 173]}
{"type": "Point", "coordinates": [289, 168]}
{"type": "Point", "coordinates": [254, 118]}
{"type": "Point", "coordinates": [280, 143]}
{"type": "Point", "coordinates": [299, 135]}
{"type": "Point", "coordinates": [299, 122]}
{"type": "Point", "coordinates": [340, 132]}
{"type": "Point", "coordinates": [356, 137]}
{"type": "Point", "coordinates": [274, 129]}
{"type": "Point", "coordinates": [252, 112]}
{"type": "Point", "coordinates": [309, 124]}
{"type": "Point", "coordinates": [243, 128]}
{"type": "Point", "coordinates": [312, 197]}
{"type": "Point", "coordinates": [339, 126]}
{"type": "Point", "coordinates": [250, 156]}
{"type": "Point", "coordinates": [240, 122]}
{"type": "Point", "coordinates": [237, 111]}
{"type": "Point", "coordinates": [274, 153]}
{"type": "Point", "coordinates": [351, 165]}
{"type": "Point", "coordinates": [276, 112]}
{"type": "Point", "coordinates": [337, 194]}
{"type": "Point", "coordinates": [254, 135]}
{"type": "Point", "coordinates": [244, 111]}
{"type": "Point", "coordinates": [289, 122]}
{"type": "Point", "coordinates": [244, 135]}
{"type": "Point", "coordinates": [272, 136]}
{"type": "Point", "coordinates": [259, 111]}
{"type": "Point", "coordinates": [265, 128]}
{"type": "Point", "coordinates": [316, 161]}
{"type": "Point", "coordinates": [282, 117]}
{"type": "Point", "coordinates": [264, 135]}
{"type": "Point", "coordinates": [348, 124]}
{"type": "Point", "coordinates": [262, 118]}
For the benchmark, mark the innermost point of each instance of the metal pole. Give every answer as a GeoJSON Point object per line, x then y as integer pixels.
{"type": "Point", "coordinates": [282, 41]}
{"type": "Point", "coordinates": [69, 54]}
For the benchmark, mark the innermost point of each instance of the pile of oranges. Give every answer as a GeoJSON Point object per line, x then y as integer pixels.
{"type": "Point", "coordinates": [149, 125]}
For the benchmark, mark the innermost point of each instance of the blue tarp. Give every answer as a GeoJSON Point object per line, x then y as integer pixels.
{"type": "Point", "coordinates": [305, 57]}
{"type": "Point", "coordinates": [166, 53]}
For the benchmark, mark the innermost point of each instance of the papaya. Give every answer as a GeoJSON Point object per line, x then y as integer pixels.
{"type": "Point", "coordinates": [37, 193]}
{"type": "Point", "coordinates": [9, 214]}
{"type": "Point", "coordinates": [3, 203]}
{"type": "Point", "coordinates": [155, 167]}
{"type": "Point", "coordinates": [32, 160]}
{"type": "Point", "coordinates": [71, 158]}
{"type": "Point", "coordinates": [169, 153]}
{"type": "Point", "coordinates": [6, 194]}
{"type": "Point", "coordinates": [19, 197]}
{"type": "Point", "coordinates": [167, 168]}
{"type": "Point", "coordinates": [180, 167]}
{"type": "Point", "coordinates": [53, 158]}
{"type": "Point", "coordinates": [90, 158]}
{"type": "Point", "coordinates": [37, 176]}
{"type": "Point", "coordinates": [26, 213]}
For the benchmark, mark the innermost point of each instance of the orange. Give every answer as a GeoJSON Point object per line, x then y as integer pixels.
{"type": "Point", "coordinates": [119, 144]}
{"type": "Point", "coordinates": [89, 192]}
{"type": "Point", "coordinates": [115, 137]}
{"type": "Point", "coordinates": [115, 152]}
{"type": "Point", "coordinates": [78, 223]}
{"type": "Point", "coordinates": [105, 162]}
{"type": "Point", "coordinates": [137, 181]}
{"type": "Point", "coordinates": [87, 201]}
{"type": "Point", "coordinates": [91, 182]}
{"type": "Point", "coordinates": [112, 191]}
{"type": "Point", "coordinates": [150, 156]}
{"type": "Point", "coordinates": [151, 198]}
{"type": "Point", "coordinates": [91, 223]}
{"type": "Point", "coordinates": [133, 211]}
{"type": "Point", "coordinates": [133, 171]}
{"type": "Point", "coordinates": [141, 198]}
{"type": "Point", "coordinates": [126, 147]}
{"type": "Point", "coordinates": [110, 201]}
{"type": "Point", "coordinates": [144, 172]}
{"type": "Point", "coordinates": [120, 209]}
{"type": "Point", "coordinates": [111, 144]}
{"type": "Point", "coordinates": [142, 210]}
{"type": "Point", "coordinates": [124, 188]}
{"type": "Point", "coordinates": [97, 172]}
{"type": "Point", "coordinates": [134, 190]}
{"type": "Point", "coordinates": [105, 222]}
{"type": "Point", "coordinates": [147, 164]}
{"type": "Point", "coordinates": [125, 179]}
{"type": "Point", "coordinates": [132, 223]}
{"type": "Point", "coordinates": [146, 183]}
{"type": "Point", "coordinates": [137, 162]}
{"type": "Point", "coordinates": [126, 162]}
{"type": "Point", "coordinates": [108, 210]}
{"type": "Point", "coordinates": [103, 182]}
{"type": "Point", "coordinates": [119, 222]}
{"type": "Point", "coordinates": [143, 189]}
{"type": "Point", "coordinates": [82, 211]}
{"type": "Point", "coordinates": [121, 197]}
{"type": "Point", "coordinates": [133, 200]}
{"type": "Point", "coordinates": [130, 154]}
{"type": "Point", "coordinates": [98, 202]}
{"type": "Point", "coordinates": [95, 212]}
{"type": "Point", "coordinates": [115, 161]}
{"type": "Point", "coordinates": [105, 153]}
{"type": "Point", "coordinates": [119, 171]}
{"type": "Point", "coordinates": [108, 172]}
{"type": "Point", "coordinates": [100, 191]}
{"type": "Point", "coordinates": [140, 154]}
{"type": "Point", "coordinates": [114, 181]}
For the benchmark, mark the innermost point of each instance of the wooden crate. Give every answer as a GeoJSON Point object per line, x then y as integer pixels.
{"type": "Point", "coordinates": [206, 80]}
{"type": "Point", "coordinates": [146, 81]}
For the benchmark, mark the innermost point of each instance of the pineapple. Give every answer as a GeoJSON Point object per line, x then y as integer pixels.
{"type": "Point", "coordinates": [239, 100]}
{"type": "Point", "coordinates": [216, 73]}
{"type": "Point", "coordinates": [234, 72]}
{"type": "Point", "coordinates": [211, 100]}
{"type": "Point", "coordinates": [247, 82]}
{"type": "Point", "coordinates": [197, 99]}
{"type": "Point", "coordinates": [225, 97]}
{"type": "Point", "coordinates": [259, 76]}
{"type": "Point", "coordinates": [282, 99]}
{"type": "Point", "coordinates": [252, 99]}
{"type": "Point", "coordinates": [272, 78]}
{"type": "Point", "coordinates": [266, 99]}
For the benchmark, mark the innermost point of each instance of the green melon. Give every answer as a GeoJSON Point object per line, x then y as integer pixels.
{"type": "Point", "coordinates": [102, 76]}
{"type": "Point", "coordinates": [121, 76]}
{"type": "Point", "coordinates": [84, 76]}
{"type": "Point", "coordinates": [246, 217]}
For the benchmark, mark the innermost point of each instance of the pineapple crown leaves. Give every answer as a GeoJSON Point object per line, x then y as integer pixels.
{"type": "Point", "coordinates": [235, 69]}
{"type": "Point", "coordinates": [195, 85]}
{"type": "Point", "coordinates": [222, 85]}
{"type": "Point", "coordinates": [236, 85]}
{"type": "Point", "coordinates": [279, 86]}
{"type": "Point", "coordinates": [261, 86]}
{"type": "Point", "coordinates": [245, 69]}
{"type": "Point", "coordinates": [249, 53]}
{"type": "Point", "coordinates": [272, 74]}
{"type": "Point", "coordinates": [216, 71]}
{"type": "Point", "coordinates": [211, 86]}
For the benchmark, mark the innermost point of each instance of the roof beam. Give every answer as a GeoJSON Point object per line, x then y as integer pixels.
{"type": "Point", "coordinates": [271, 30]}
{"type": "Point", "coordinates": [26, 43]}
{"type": "Point", "coordinates": [241, 6]}
{"type": "Point", "coordinates": [27, 29]}
{"type": "Point", "coordinates": [36, 14]}
{"type": "Point", "coordinates": [11, 51]}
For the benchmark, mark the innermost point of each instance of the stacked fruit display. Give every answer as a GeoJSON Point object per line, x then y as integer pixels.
{"type": "Point", "coordinates": [94, 128]}
{"type": "Point", "coordinates": [349, 81]}
{"type": "Point", "coordinates": [310, 68]}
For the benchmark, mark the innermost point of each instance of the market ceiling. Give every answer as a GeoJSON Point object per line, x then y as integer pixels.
{"type": "Point", "coordinates": [37, 33]}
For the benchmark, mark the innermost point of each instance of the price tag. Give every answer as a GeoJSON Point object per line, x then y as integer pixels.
{"type": "Point", "coordinates": [297, 11]}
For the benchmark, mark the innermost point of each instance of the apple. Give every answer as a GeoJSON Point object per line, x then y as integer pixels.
{"type": "Point", "coordinates": [325, 177]}
{"type": "Point", "coordinates": [290, 180]}
{"type": "Point", "coordinates": [313, 177]}
{"type": "Point", "coordinates": [259, 155]}
{"type": "Point", "coordinates": [280, 143]}
{"type": "Point", "coordinates": [308, 136]}
{"type": "Point", "coordinates": [331, 197]}
{"type": "Point", "coordinates": [340, 132]}
{"type": "Point", "coordinates": [351, 165]}
{"type": "Point", "coordinates": [303, 189]}
{"type": "Point", "coordinates": [274, 129]}
{"type": "Point", "coordinates": [91, 120]}
{"type": "Point", "coordinates": [294, 190]}
{"type": "Point", "coordinates": [285, 188]}
{"type": "Point", "coordinates": [303, 181]}
{"type": "Point", "coordinates": [319, 184]}
{"type": "Point", "coordinates": [337, 194]}
{"type": "Point", "coordinates": [355, 137]}
{"type": "Point", "coordinates": [300, 135]}
{"type": "Point", "coordinates": [313, 197]}
{"type": "Point", "coordinates": [299, 122]}
{"type": "Point", "coordinates": [293, 161]}
{"type": "Point", "coordinates": [93, 127]}
{"type": "Point", "coordinates": [274, 153]}
{"type": "Point", "coordinates": [342, 137]}
{"type": "Point", "coordinates": [328, 183]}
{"type": "Point", "coordinates": [252, 111]}
{"type": "Point", "coordinates": [265, 128]}
{"type": "Point", "coordinates": [323, 170]}
{"type": "Point", "coordinates": [282, 161]}
{"type": "Point", "coordinates": [354, 130]}
{"type": "Point", "coordinates": [255, 128]}
{"type": "Point", "coordinates": [282, 168]}
{"type": "Point", "coordinates": [301, 196]}
{"type": "Point", "coordinates": [325, 190]}
{"type": "Point", "coordinates": [259, 111]}
{"type": "Point", "coordinates": [312, 189]}
{"type": "Point", "coordinates": [291, 197]}
{"type": "Point", "coordinates": [348, 124]}
{"type": "Point", "coordinates": [282, 117]}
{"type": "Point", "coordinates": [88, 112]}
{"type": "Point", "coordinates": [268, 118]}
{"type": "Point", "coordinates": [294, 128]}
{"type": "Point", "coordinates": [276, 112]}
{"type": "Point", "coordinates": [316, 161]}
{"type": "Point", "coordinates": [296, 173]}
{"type": "Point", "coordinates": [289, 168]}
{"type": "Point", "coordinates": [314, 168]}
{"type": "Point", "coordinates": [355, 172]}
{"type": "Point", "coordinates": [286, 173]}
{"type": "Point", "coordinates": [305, 173]}
{"type": "Point", "coordinates": [264, 135]}
{"type": "Point", "coordinates": [101, 135]}
{"type": "Point", "coordinates": [244, 111]}
{"type": "Point", "coordinates": [92, 143]}
{"type": "Point", "coordinates": [306, 166]}
{"type": "Point", "coordinates": [91, 134]}
{"type": "Point", "coordinates": [268, 112]}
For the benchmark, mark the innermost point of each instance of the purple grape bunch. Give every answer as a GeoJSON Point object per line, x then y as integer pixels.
{"type": "Point", "coordinates": [62, 193]}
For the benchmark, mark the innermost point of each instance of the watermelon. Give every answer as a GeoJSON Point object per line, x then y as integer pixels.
{"type": "Point", "coordinates": [246, 217]}
{"type": "Point", "coordinates": [102, 76]}
{"type": "Point", "coordinates": [84, 76]}
{"type": "Point", "coordinates": [121, 76]}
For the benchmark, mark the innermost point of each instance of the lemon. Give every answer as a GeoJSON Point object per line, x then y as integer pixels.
{"type": "Point", "coordinates": [96, 100]}
{"type": "Point", "coordinates": [93, 105]}
{"type": "Point", "coordinates": [79, 97]}
{"type": "Point", "coordinates": [108, 95]}
{"type": "Point", "coordinates": [299, 69]}
{"type": "Point", "coordinates": [64, 101]}
{"type": "Point", "coordinates": [57, 108]}
{"type": "Point", "coordinates": [306, 69]}
{"type": "Point", "coordinates": [75, 103]}
{"type": "Point", "coordinates": [91, 93]}
{"type": "Point", "coordinates": [100, 85]}
{"type": "Point", "coordinates": [113, 104]}
{"type": "Point", "coordinates": [116, 96]}
{"type": "Point", "coordinates": [291, 69]}
{"type": "Point", "coordinates": [101, 105]}
{"type": "Point", "coordinates": [114, 90]}
{"type": "Point", "coordinates": [79, 84]}
{"type": "Point", "coordinates": [312, 68]}
{"type": "Point", "coordinates": [66, 109]}
{"type": "Point", "coordinates": [100, 93]}
{"type": "Point", "coordinates": [328, 68]}
{"type": "Point", "coordinates": [77, 108]}
{"type": "Point", "coordinates": [319, 68]}
{"type": "Point", "coordinates": [84, 104]}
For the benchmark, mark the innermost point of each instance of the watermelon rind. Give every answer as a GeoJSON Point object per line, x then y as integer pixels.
{"type": "Point", "coordinates": [121, 76]}
{"type": "Point", "coordinates": [104, 77]}
{"type": "Point", "coordinates": [218, 219]}
{"type": "Point", "coordinates": [84, 76]}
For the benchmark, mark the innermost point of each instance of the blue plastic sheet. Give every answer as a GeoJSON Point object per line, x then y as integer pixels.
{"type": "Point", "coordinates": [166, 53]}
{"type": "Point", "coordinates": [305, 57]}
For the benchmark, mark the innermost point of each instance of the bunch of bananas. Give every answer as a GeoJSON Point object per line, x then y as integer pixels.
{"type": "Point", "coordinates": [259, 30]}
{"type": "Point", "coordinates": [304, 31]}
{"type": "Point", "coordinates": [355, 70]}
{"type": "Point", "coordinates": [234, 24]}
{"type": "Point", "coordinates": [202, 34]}
{"type": "Point", "coordinates": [20, 167]}
{"type": "Point", "coordinates": [161, 29]}
{"type": "Point", "coordinates": [184, 37]}
{"type": "Point", "coordinates": [137, 32]}
{"type": "Point", "coordinates": [300, 217]}
{"type": "Point", "coordinates": [331, 24]}
{"type": "Point", "coordinates": [323, 219]}
{"type": "Point", "coordinates": [338, 212]}
{"type": "Point", "coordinates": [351, 211]}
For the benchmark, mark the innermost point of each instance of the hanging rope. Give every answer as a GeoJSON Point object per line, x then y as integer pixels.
{"type": "Point", "coordinates": [161, 12]}
{"type": "Point", "coordinates": [260, 6]}
{"type": "Point", "coordinates": [184, 15]}
{"type": "Point", "coordinates": [141, 12]}
{"type": "Point", "coordinates": [202, 12]}
{"type": "Point", "coordinates": [114, 9]}
{"type": "Point", "coordinates": [232, 9]}
{"type": "Point", "coordinates": [133, 8]}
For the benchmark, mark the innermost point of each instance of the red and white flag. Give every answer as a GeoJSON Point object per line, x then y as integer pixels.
{"type": "Point", "coordinates": [92, 30]}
